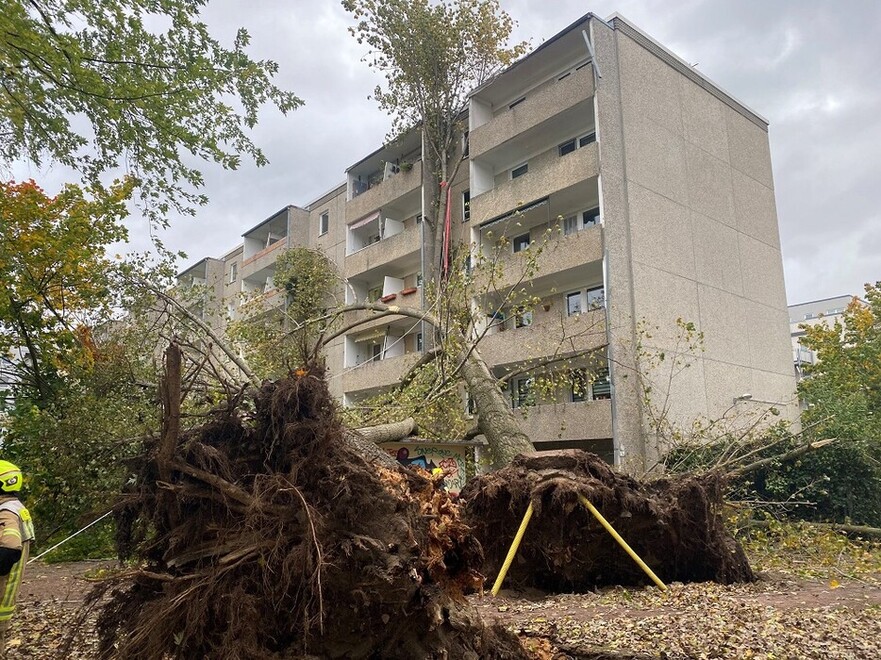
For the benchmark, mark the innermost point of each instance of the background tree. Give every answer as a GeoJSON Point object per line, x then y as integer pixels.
{"type": "Point", "coordinates": [433, 54]}
{"type": "Point", "coordinates": [842, 391]}
{"type": "Point", "coordinates": [56, 279]}
{"type": "Point", "coordinates": [134, 85]}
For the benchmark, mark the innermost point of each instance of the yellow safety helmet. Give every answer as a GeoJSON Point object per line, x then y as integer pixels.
{"type": "Point", "coordinates": [10, 477]}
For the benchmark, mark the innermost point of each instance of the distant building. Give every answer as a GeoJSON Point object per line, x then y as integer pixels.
{"type": "Point", "coordinates": [657, 189]}
{"type": "Point", "coordinates": [827, 311]}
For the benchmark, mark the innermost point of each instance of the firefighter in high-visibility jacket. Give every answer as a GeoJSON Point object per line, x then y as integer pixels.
{"type": "Point", "coordinates": [16, 534]}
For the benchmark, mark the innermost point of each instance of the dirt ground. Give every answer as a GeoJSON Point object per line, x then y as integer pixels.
{"type": "Point", "coordinates": [780, 616]}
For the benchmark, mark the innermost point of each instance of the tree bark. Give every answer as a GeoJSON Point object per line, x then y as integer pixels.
{"type": "Point", "coordinates": [171, 388]}
{"type": "Point", "coordinates": [495, 419]}
{"type": "Point", "coordinates": [387, 432]}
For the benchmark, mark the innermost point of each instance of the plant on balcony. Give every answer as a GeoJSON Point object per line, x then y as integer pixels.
{"type": "Point", "coordinates": [406, 167]}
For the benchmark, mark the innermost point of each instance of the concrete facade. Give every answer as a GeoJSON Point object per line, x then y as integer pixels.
{"type": "Point", "coordinates": [653, 188]}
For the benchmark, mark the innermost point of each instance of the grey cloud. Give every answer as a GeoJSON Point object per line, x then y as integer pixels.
{"type": "Point", "coordinates": [809, 66]}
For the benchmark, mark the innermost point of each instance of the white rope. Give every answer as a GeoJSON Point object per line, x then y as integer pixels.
{"type": "Point", "coordinates": [42, 554]}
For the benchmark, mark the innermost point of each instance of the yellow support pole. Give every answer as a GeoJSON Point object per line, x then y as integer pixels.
{"type": "Point", "coordinates": [622, 542]}
{"type": "Point", "coordinates": [512, 551]}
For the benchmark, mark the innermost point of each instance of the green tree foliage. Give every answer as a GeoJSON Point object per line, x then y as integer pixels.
{"type": "Point", "coordinates": [276, 340]}
{"type": "Point", "coordinates": [56, 278]}
{"type": "Point", "coordinates": [72, 447]}
{"type": "Point", "coordinates": [843, 396]}
{"type": "Point", "coordinates": [432, 55]}
{"type": "Point", "coordinates": [138, 84]}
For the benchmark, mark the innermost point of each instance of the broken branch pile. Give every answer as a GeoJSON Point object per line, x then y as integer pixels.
{"type": "Point", "coordinates": [673, 524]}
{"type": "Point", "coordinates": [265, 535]}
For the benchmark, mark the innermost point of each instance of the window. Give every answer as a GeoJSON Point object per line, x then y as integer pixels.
{"type": "Point", "coordinates": [582, 65]}
{"type": "Point", "coordinates": [374, 294]}
{"type": "Point", "coordinates": [466, 206]}
{"type": "Point", "coordinates": [516, 103]}
{"type": "Point", "coordinates": [567, 147]}
{"type": "Point", "coordinates": [418, 218]}
{"type": "Point", "coordinates": [585, 140]}
{"type": "Point", "coordinates": [466, 144]}
{"type": "Point", "coordinates": [591, 218]}
{"type": "Point", "coordinates": [521, 393]}
{"type": "Point", "coordinates": [565, 75]}
{"type": "Point", "coordinates": [233, 272]}
{"type": "Point", "coordinates": [419, 342]}
{"type": "Point", "coordinates": [520, 243]}
{"type": "Point", "coordinates": [577, 142]}
{"type": "Point", "coordinates": [523, 318]}
{"type": "Point", "coordinates": [580, 220]}
{"type": "Point", "coordinates": [418, 279]}
{"type": "Point", "coordinates": [582, 301]}
{"type": "Point", "coordinates": [323, 223]}
{"type": "Point", "coordinates": [578, 386]}
{"type": "Point", "coordinates": [601, 387]}
{"type": "Point", "coordinates": [596, 298]}
{"type": "Point", "coordinates": [376, 352]}
{"type": "Point", "coordinates": [520, 170]}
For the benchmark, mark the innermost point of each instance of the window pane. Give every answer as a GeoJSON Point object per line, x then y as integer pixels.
{"type": "Point", "coordinates": [567, 147]}
{"type": "Point", "coordinates": [601, 388]}
{"type": "Point", "coordinates": [520, 170]}
{"type": "Point", "coordinates": [591, 218]}
{"type": "Point", "coordinates": [585, 140]}
{"type": "Point", "coordinates": [573, 303]}
{"type": "Point", "coordinates": [466, 205]}
{"type": "Point", "coordinates": [570, 225]}
{"type": "Point", "coordinates": [596, 298]}
{"type": "Point", "coordinates": [520, 242]}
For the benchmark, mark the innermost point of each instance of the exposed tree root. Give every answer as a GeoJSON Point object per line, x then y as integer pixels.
{"type": "Point", "coordinates": [273, 538]}
{"type": "Point", "coordinates": [673, 524]}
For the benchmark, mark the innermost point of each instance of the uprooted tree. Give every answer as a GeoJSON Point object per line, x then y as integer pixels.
{"type": "Point", "coordinates": [265, 534]}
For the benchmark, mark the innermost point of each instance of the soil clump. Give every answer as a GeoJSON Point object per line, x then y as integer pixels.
{"type": "Point", "coordinates": [673, 524]}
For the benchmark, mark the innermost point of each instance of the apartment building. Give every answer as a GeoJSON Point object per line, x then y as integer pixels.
{"type": "Point", "coordinates": [650, 191]}
{"type": "Point", "coordinates": [826, 311]}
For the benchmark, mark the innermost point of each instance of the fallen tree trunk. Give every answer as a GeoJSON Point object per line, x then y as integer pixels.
{"type": "Point", "coordinates": [850, 530]}
{"type": "Point", "coordinates": [388, 432]}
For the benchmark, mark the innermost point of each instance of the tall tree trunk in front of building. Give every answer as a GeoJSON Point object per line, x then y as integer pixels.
{"type": "Point", "coordinates": [495, 418]}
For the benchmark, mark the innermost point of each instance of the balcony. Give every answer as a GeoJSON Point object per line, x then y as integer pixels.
{"type": "Point", "coordinates": [551, 333]}
{"type": "Point", "coordinates": [548, 173]}
{"type": "Point", "coordinates": [544, 104]}
{"type": "Point", "coordinates": [402, 246]}
{"type": "Point", "coordinates": [585, 420]}
{"type": "Point", "coordinates": [398, 190]}
{"type": "Point", "coordinates": [377, 374]}
{"type": "Point", "coordinates": [262, 260]}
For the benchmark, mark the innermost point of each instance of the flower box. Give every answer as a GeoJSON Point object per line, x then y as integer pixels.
{"type": "Point", "coordinates": [388, 298]}
{"type": "Point", "coordinates": [407, 292]}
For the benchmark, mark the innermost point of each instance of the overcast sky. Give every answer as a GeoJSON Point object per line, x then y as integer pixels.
{"type": "Point", "coordinates": [809, 66]}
